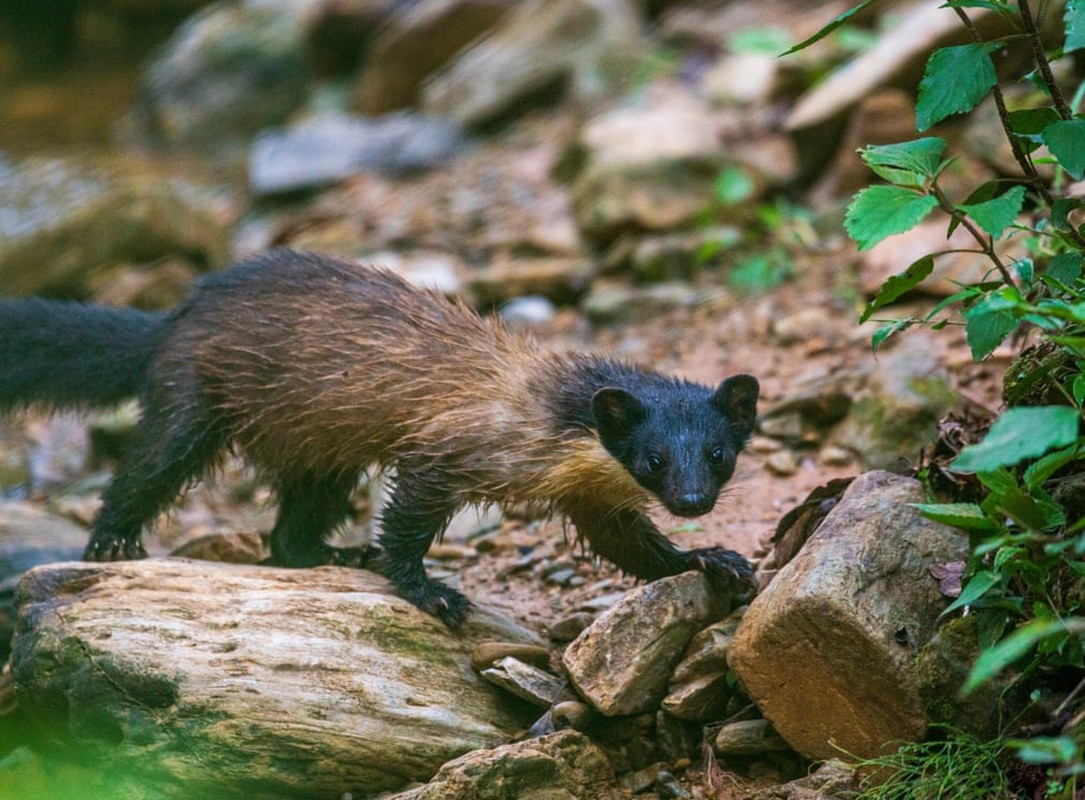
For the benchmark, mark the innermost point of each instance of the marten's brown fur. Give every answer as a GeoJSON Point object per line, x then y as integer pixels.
{"type": "Point", "coordinates": [317, 369]}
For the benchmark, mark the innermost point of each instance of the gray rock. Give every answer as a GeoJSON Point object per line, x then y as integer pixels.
{"type": "Point", "coordinates": [648, 166]}
{"type": "Point", "coordinates": [621, 664]}
{"type": "Point", "coordinates": [833, 780]}
{"type": "Point", "coordinates": [568, 628]}
{"type": "Point", "coordinates": [530, 311]}
{"type": "Point", "coordinates": [679, 256]}
{"type": "Point", "coordinates": [560, 766]}
{"type": "Point", "coordinates": [748, 738]}
{"type": "Point", "coordinates": [558, 279]}
{"type": "Point", "coordinates": [700, 699]}
{"type": "Point", "coordinates": [896, 413]}
{"type": "Point", "coordinates": [828, 649]}
{"type": "Point", "coordinates": [609, 302]}
{"type": "Point", "coordinates": [580, 45]}
{"type": "Point", "coordinates": [417, 43]}
{"type": "Point", "coordinates": [489, 653]}
{"type": "Point", "coordinates": [741, 79]}
{"type": "Point", "coordinates": [60, 220]}
{"type": "Point", "coordinates": [30, 537]}
{"type": "Point", "coordinates": [707, 652]}
{"type": "Point", "coordinates": [527, 682]}
{"type": "Point", "coordinates": [229, 71]}
{"type": "Point", "coordinates": [314, 682]}
{"type": "Point", "coordinates": [326, 148]}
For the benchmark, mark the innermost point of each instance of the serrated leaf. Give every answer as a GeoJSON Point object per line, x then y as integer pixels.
{"type": "Point", "coordinates": [897, 285]}
{"type": "Point", "coordinates": [995, 215]}
{"type": "Point", "coordinates": [986, 328]}
{"type": "Point", "coordinates": [1074, 19]}
{"type": "Point", "coordinates": [1047, 466]}
{"type": "Point", "coordinates": [879, 212]}
{"type": "Point", "coordinates": [978, 585]}
{"type": "Point", "coordinates": [1066, 141]}
{"type": "Point", "coordinates": [1020, 433]}
{"type": "Point", "coordinates": [906, 163]}
{"type": "Point", "coordinates": [1060, 212]}
{"type": "Point", "coordinates": [960, 515]}
{"type": "Point", "coordinates": [1066, 267]}
{"type": "Point", "coordinates": [832, 26]}
{"type": "Point", "coordinates": [1046, 749]}
{"type": "Point", "coordinates": [956, 79]}
{"type": "Point", "coordinates": [1028, 123]}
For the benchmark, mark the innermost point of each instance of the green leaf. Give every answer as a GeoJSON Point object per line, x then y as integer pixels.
{"type": "Point", "coordinates": [1066, 267]}
{"type": "Point", "coordinates": [897, 285]}
{"type": "Point", "coordinates": [1028, 123]}
{"type": "Point", "coordinates": [1066, 141]}
{"type": "Point", "coordinates": [879, 212]}
{"type": "Point", "coordinates": [1044, 468]}
{"type": "Point", "coordinates": [986, 328]}
{"type": "Point", "coordinates": [1020, 433]}
{"type": "Point", "coordinates": [978, 585]}
{"type": "Point", "coordinates": [1060, 212]}
{"type": "Point", "coordinates": [993, 5]}
{"type": "Point", "coordinates": [768, 40]}
{"type": "Point", "coordinates": [1017, 644]}
{"type": "Point", "coordinates": [886, 331]}
{"type": "Point", "coordinates": [909, 164]}
{"type": "Point", "coordinates": [994, 216]}
{"type": "Point", "coordinates": [960, 515]}
{"type": "Point", "coordinates": [1074, 19]}
{"type": "Point", "coordinates": [956, 80]}
{"type": "Point", "coordinates": [1046, 749]}
{"type": "Point", "coordinates": [733, 186]}
{"type": "Point", "coordinates": [832, 26]}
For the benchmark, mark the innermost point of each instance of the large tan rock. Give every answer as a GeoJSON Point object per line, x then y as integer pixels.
{"type": "Point", "coordinates": [223, 680]}
{"type": "Point", "coordinates": [828, 649]}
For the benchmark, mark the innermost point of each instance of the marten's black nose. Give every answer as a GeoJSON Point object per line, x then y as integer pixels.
{"type": "Point", "coordinates": [691, 505]}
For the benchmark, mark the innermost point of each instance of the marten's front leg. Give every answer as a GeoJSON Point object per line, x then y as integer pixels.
{"type": "Point", "coordinates": [417, 512]}
{"type": "Point", "coordinates": [631, 540]}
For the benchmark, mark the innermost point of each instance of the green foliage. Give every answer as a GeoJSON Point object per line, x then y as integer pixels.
{"type": "Point", "coordinates": [956, 80]}
{"type": "Point", "coordinates": [955, 767]}
{"type": "Point", "coordinates": [1025, 576]}
{"type": "Point", "coordinates": [1021, 433]}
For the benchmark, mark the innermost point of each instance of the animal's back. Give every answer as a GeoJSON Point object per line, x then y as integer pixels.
{"type": "Point", "coordinates": [315, 363]}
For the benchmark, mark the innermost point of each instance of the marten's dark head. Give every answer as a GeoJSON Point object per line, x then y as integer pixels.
{"type": "Point", "coordinates": [678, 440]}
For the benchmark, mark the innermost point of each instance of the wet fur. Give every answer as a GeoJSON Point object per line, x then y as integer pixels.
{"type": "Point", "coordinates": [317, 369]}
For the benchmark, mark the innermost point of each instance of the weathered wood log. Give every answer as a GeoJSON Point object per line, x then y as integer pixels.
{"type": "Point", "coordinates": [238, 680]}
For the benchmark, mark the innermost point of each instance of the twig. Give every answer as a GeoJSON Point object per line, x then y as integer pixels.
{"type": "Point", "coordinates": [1041, 61]}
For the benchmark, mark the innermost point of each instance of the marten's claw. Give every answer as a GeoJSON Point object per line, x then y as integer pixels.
{"type": "Point", "coordinates": [441, 601]}
{"type": "Point", "coordinates": [114, 549]}
{"type": "Point", "coordinates": [726, 567]}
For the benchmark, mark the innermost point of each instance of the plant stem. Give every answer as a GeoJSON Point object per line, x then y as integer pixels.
{"type": "Point", "coordinates": [985, 242]}
{"type": "Point", "coordinates": [1023, 161]}
{"type": "Point", "coordinates": [1041, 61]}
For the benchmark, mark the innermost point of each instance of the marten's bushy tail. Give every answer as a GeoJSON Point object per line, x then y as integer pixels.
{"type": "Point", "coordinates": [69, 355]}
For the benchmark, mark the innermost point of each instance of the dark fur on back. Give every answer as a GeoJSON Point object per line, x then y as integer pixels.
{"type": "Point", "coordinates": [316, 369]}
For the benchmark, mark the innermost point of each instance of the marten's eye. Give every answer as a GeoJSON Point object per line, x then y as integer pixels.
{"type": "Point", "coordinates": [716, 456]}
{"type": "Point", "coordinates": [655, 463]}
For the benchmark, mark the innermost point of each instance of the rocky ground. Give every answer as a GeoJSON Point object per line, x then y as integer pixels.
{"type": "Point", "coordinates": [661, 190]}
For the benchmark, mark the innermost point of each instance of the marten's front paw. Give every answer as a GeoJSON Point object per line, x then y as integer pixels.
{"type": "Point", "coordinates": [114, 548]}
{"type": "Point", "coordinates": [726, 567]}
{"type": "Point", "coordinates": [441, 601]}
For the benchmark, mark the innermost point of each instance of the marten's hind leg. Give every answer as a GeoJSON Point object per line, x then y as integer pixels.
{"type": "Point", "coordinates": [311, 507]}
{"type": "Point", "coordinates": [173, 445]}
{"type": "Point", "coordinates": [418, 512]}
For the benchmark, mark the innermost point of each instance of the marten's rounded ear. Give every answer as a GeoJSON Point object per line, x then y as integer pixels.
{"type": "Point", "coordinates": [736, 398]}
{"type": "Point", "coordinates": [616, 411]}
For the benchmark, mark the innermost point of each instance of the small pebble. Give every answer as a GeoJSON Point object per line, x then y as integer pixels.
{"type": "Point", "coordinates": [783, 463]}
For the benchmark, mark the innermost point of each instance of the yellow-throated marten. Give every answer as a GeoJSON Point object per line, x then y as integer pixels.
{"type": "Point", "coordinates": [317, 368]}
